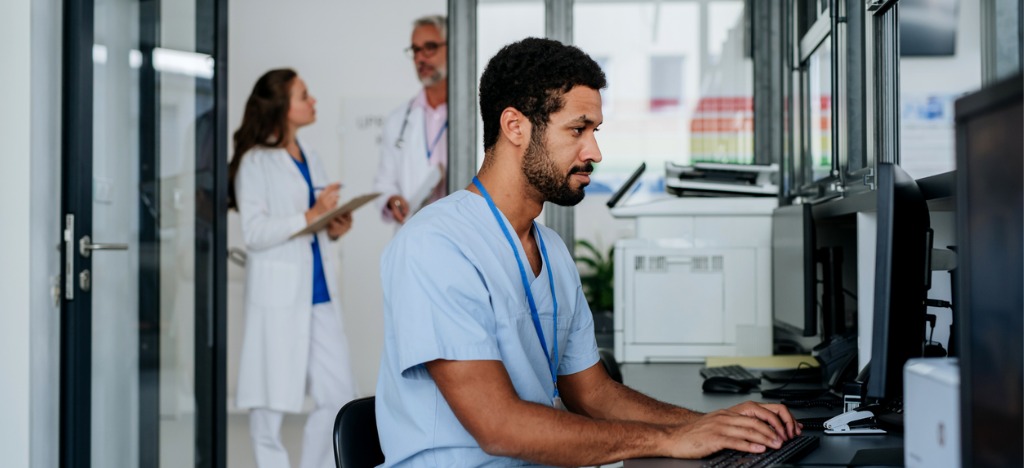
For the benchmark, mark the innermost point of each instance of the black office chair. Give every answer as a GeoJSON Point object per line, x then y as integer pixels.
{"type": "Point", "coordinates": [356, 443]}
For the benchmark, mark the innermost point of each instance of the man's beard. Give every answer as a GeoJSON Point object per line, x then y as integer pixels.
{"type": "Point", "coordinates": [440, 73]}
{"type": "Point", "coordinates": [543, 175]}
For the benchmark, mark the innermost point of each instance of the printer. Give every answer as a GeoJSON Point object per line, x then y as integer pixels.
{"type": "Point", "coordinates": [696, 279]}
{"type": "Point", "coordinates": [722, 179]}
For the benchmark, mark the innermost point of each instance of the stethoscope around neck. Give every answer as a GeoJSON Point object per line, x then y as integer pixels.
{"type": "Point", "coordinates": [405, 123]}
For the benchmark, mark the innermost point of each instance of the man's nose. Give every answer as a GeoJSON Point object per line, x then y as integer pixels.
{"type": "Point", "coordinates": [591, 152]}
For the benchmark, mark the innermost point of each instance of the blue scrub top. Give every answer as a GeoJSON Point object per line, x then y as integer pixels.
{"type": "Point", "coordinates": [453, 291]}
{"type": "Point", "coordinates": [320, 292]}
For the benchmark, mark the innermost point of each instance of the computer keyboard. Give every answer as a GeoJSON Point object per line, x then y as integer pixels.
{"type": "Point", "coordinates": [734, 372]}
{"type": "Point", "coordinates": [792, 450]}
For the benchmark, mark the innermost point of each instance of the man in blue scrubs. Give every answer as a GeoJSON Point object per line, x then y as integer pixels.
{"type": "Point", "coordinates": [489, 355]}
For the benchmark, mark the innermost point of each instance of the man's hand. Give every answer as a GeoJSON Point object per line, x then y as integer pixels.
{"type": "Point", "coordinates": [748, 427]}
{"type": "Point", "coordinates": [399, 207]}
{"type": "Point", "coordinates": [339, 225]}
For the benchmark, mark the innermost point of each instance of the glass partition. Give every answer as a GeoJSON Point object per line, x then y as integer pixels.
{"type": "Point", "coordinates": [940, 61]}
{"type": "Point", "coordinates": [680, 85]}
{"type": "Point", "coordinates": [499, 23]}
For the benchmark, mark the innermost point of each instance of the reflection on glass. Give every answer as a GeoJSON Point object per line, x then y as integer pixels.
{"type": "Point", "coordinates": [819, 102]}
{"type": "Point", "coordinates": [115, 297]}
{"type": "Point", "coordinates": [180, 71]}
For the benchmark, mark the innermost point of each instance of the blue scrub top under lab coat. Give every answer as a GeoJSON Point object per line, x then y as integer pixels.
{"type": "Point", "coordinates": [320, 292]}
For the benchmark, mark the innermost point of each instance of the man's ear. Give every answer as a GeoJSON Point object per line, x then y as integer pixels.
{"type": "Point", "coordinates": [515, 127]}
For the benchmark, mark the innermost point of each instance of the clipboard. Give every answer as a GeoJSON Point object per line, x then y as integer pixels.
{"type": "Point", "coordinates": [326, 218]}
{"type": "Point", "coordinates": [425, 190]}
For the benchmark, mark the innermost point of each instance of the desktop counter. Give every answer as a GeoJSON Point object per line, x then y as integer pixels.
{"type": "Point", "coordinates": [680, 384]}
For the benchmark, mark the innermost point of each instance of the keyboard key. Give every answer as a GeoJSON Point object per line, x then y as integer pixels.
{"type": "Point", "coordinates": [794, 449]}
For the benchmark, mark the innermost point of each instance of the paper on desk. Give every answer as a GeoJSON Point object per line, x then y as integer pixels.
{"type": "Point", "coordinates": [763, 362]}
{"type": "Point", "coordinates": [323, 220]}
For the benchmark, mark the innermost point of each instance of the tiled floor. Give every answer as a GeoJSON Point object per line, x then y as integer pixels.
{"type": "Point", "coordinates": [240, 446]}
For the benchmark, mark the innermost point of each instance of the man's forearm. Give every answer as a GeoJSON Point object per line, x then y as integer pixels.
{"type": "Point", "coordinates": [544, 435]}
{"type": "Point", "coordinates": [615, 401]}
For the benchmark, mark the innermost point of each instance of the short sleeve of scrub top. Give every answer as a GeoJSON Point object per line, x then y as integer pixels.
{"type": "Point", "coordinates": [446, 313]}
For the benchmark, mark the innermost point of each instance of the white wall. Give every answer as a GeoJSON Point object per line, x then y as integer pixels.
{"type": "Point", "coordinates": [15, 34]}
{"type": "Point", "coordinates": [29, 126]}
{"type": "Point", "coordinates": [45, 226]}
{"type": "Point", "coordinates": [350, 55]}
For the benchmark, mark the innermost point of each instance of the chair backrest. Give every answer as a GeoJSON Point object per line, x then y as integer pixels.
{"type": "Point", "coordinates": [356, 444]}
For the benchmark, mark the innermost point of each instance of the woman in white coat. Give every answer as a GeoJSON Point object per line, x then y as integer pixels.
{"type": "Point", "coordinates": [293, 342]}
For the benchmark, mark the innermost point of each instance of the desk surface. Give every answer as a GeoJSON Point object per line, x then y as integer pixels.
{"type": "Point", "coordinates": [680, 384]}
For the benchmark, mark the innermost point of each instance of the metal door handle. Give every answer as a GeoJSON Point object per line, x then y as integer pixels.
{"type": "Point", "coordinates": [85, 246]}
{"type": "Point", "coordinates": [237, 256]}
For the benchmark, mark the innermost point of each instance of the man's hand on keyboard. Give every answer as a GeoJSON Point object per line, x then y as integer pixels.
{"type": "Point", "coordinates": [748, 427]}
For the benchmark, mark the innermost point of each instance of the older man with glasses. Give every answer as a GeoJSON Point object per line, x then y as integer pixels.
{"type": "Point", "coordinates": [414, 148]}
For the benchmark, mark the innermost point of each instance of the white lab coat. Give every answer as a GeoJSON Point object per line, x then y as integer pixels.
{"type": "Point", "coordinates": [402, 171]}
{"type": "Point", "coordinates": [272, 200]}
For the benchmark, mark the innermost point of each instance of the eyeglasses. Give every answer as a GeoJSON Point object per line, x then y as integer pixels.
{"type": "Point", "coordinates": [428, 49]}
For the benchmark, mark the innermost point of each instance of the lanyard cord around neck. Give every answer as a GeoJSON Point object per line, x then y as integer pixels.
{"type": "Point", "coordinates": [552, 364]}
{"type": "Point", "coordinates": [432, 146]}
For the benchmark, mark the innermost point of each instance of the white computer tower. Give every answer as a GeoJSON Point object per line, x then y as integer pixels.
{"type": "Point", "coordinates": [931, 412]}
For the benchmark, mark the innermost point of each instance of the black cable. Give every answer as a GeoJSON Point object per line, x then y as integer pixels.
{"type": "Point", "coordinates": [792, 378]}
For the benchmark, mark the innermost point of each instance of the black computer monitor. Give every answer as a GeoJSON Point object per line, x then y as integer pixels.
{"type": "Point", "coordinates": [902, 273]}
{"type": "Point", "coordinates": [793, 270]}
{"type": "Point", "coordinates": [626, 187]}
{"type": "Point", "coordinates": [989, 295]}
{"type": "Point", "coordinates": [928, 27]}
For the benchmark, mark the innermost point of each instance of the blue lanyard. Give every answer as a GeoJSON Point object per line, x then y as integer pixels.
{"type": "Point", "coordinates": [433, 146]}
{"type": "Point", "coordinates": [552, 364]}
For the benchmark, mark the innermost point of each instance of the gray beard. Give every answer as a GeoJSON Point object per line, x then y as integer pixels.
{"type": "Point", "coordinates": [438, 75]}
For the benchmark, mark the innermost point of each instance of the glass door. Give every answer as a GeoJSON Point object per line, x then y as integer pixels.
{"type": "Point", "coordinates": [142, 353]}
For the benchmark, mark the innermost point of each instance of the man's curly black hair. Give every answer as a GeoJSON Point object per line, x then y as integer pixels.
{"type": "Point", "coordinates": [531, 76]}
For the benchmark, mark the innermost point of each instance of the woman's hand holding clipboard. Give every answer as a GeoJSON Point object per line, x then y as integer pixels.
{"type": "Point", "coordinates": [324, 219]}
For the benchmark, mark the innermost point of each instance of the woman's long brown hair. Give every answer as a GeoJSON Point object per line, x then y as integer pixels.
{"type": "Point", "coordinates": [264, 120]}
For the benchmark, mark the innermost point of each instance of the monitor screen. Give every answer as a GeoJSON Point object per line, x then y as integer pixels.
{"type": "Point", "coordinates": [901, 281]}
{"type": "Point", "coordinates": [927, 27]}
{"type": "Point", "coordinates": [793, 270]}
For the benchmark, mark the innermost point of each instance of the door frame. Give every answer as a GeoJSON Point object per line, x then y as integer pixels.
{"type": "Point", "coordinates": [76, 199]}
{"type": "Point", "coordinates": [210, 249]}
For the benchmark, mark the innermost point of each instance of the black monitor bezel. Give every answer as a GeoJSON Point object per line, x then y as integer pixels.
{"type": "Point", "coordinates": [901, 281]}
{"type": "Point", "coordinates": [625, 188]}
{"type": "Point", "coordinates": [810, 313]}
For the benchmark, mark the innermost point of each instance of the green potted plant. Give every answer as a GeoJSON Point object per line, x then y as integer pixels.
{"type": "Point", "coordinates": [597, 274]}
